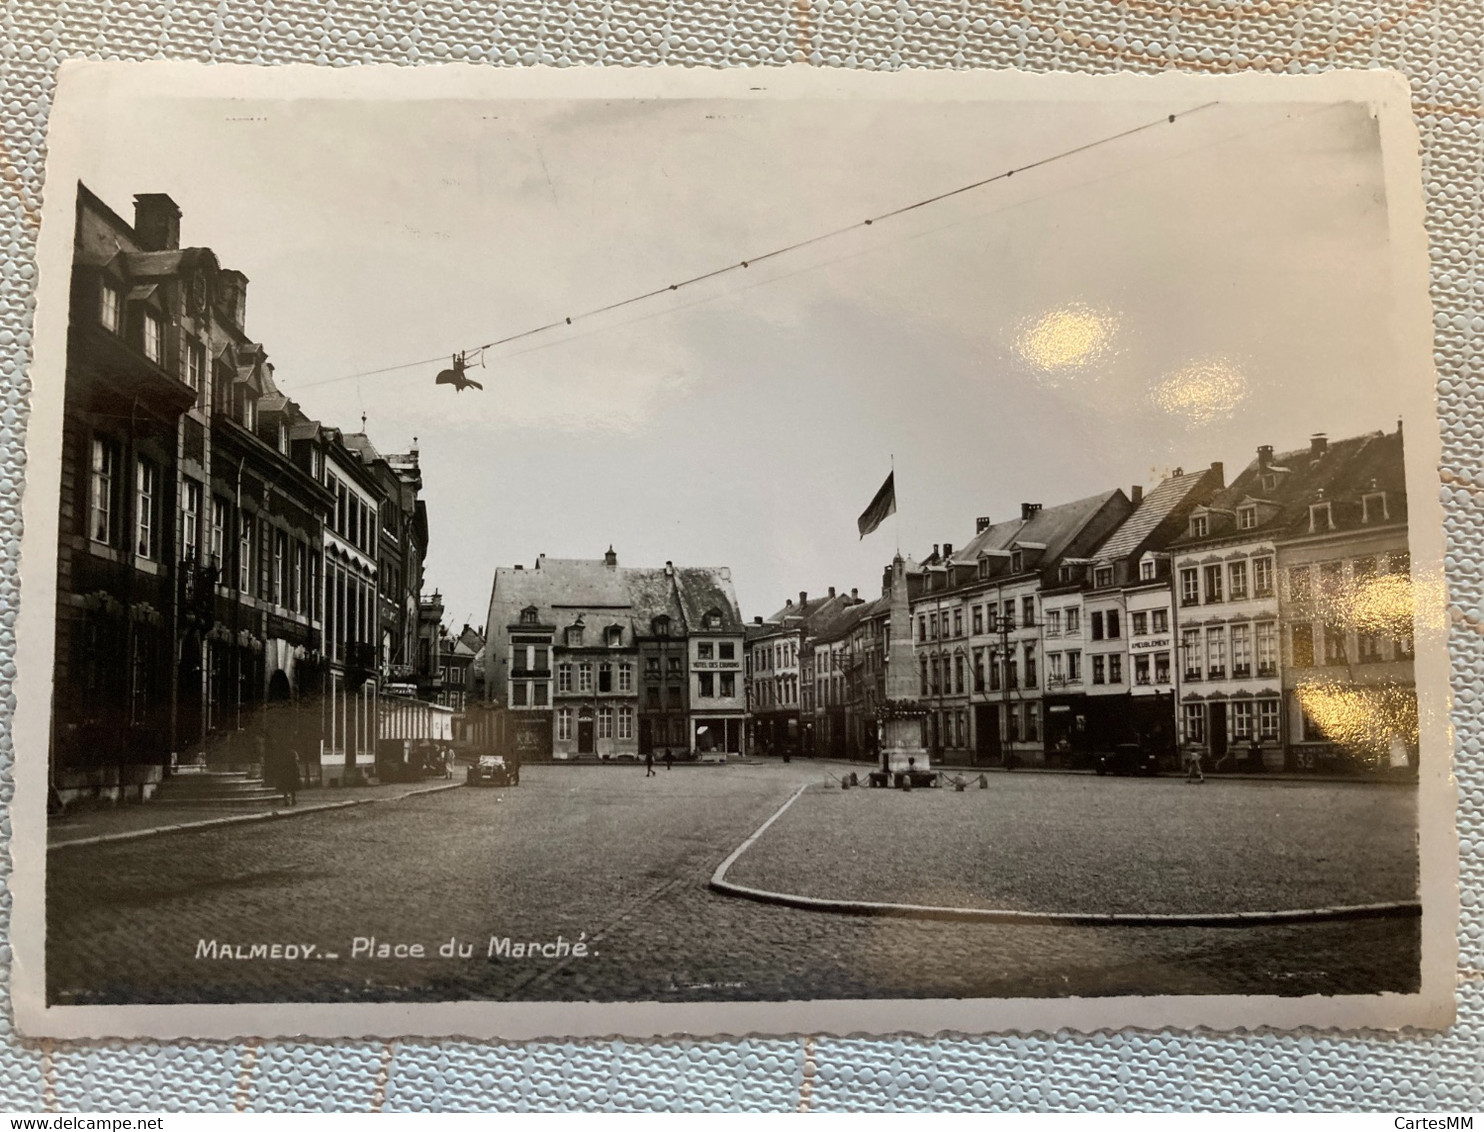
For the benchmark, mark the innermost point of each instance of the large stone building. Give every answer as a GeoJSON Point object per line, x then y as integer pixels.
{"type": "Point", "coordinates": [780, 674]}
{"type": "Point", "coordinates": [587, 658]}
{"type": "Point", "coordinates": [202, 540]}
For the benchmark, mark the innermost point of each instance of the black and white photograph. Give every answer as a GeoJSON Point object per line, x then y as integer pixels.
{"type": "Point", "coordinates": [547, 555]}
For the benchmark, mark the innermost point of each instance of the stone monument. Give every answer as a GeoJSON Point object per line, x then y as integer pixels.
{"type": "Point", "coordinates": [902, 717]}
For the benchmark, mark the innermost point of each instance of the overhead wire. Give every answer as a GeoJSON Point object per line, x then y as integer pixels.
{"type": "Point", "coordinates": [745, 264]}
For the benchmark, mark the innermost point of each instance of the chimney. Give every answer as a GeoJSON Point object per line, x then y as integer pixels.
{"type": "Point", "coordinates": [1264, 455]}
{"type": "Point", "coordinates": [936, 555]}
{"type": "Point", "coordinates": [610, 559]}
{"type": "Point", "coordinates": [669, 569]}
{"type": "Point", "coordinates": [757, 620]}
{"type": "Point", "coordinates": [982, 524]}
{"type": "Point", "coordinates": [947, 550]}
{"type": "Point", "coordinates": [1318, 445]}
{"type": "Point", "coordinates": [234, 297]}
{"type": "Point", "coordinates": [832, 591]}
{"type": "Point", "coordinates": [788, 603]}
{"type": "Point", "coordinates": [803, 597]}
{"type": "Point", "coordinates": [1218, 470]}
{"type": "Point", "coordinates": [518, 566]}
{"type": "Point", "coordinates": [1029, 509]}
{"type": "Point", "coordinates": [854, 594]}
{"type": "Point", "coordinates": [1136, 494]}
{"type": "Point", "coordinates": [156, 222]}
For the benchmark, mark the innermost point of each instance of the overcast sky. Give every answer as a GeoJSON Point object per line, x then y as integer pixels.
{"type": "Point", "coordinates": [1175, 297]}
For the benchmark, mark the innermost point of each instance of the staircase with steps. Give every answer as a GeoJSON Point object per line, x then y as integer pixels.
{"type": "Point", "coordinates": [202, 786]}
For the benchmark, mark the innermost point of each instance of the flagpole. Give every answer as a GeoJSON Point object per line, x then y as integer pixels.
{"type": "Point", "coordinates": [896, 512]}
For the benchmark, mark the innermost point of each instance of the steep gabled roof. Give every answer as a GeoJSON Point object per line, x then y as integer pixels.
{"type": "Point", "coordinates": [704, 588]}
{"type": "Point", "coordinates": [1152, 510]}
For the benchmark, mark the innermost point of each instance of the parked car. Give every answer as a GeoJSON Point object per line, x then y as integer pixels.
{"type": "Point", "coordinates": [493, 770]}
{"type": "Point", "coordinates": [1128, 758]}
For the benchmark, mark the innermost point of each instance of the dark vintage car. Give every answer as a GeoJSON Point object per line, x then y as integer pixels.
{"type": "Point", "coordinates": [493, 770]}
{"type": "Point", "coordinates": [1128, 758]}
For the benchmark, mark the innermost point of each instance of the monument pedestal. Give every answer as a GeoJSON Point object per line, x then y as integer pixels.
{"type": "Point", "coordinates": [901, 740]}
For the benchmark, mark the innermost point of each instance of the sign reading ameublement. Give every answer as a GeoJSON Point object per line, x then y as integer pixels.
{"type": "Point", "coordinates": [532, 550]}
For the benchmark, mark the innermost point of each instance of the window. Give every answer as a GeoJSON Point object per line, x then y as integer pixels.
{"type": "Point", "coordinates": [1373, 508]}
{"type": "Point", "coordinates": [625, 677]}
{"type": "Point", "coordinates": [1331, 579]}
{"type": "Point", "coordinates": [1115, 668]}
{"type": "Point", "coordinates": [1017, 561]}
{"type": "Point", "coordinates": [1146, 570]}
{"type": "Point", "coordinates": [1267, 719]}
{"type": "Point", "coordinates": [1055, 675]}
{"type": "Point", "coordinates": [1097, 626]}
{"type": "Point", "coordinates": [935, 668]}
{"type": "Point", "coordinates": [673, 665]}
{"type": "Point", "coordinates": [541, 689]}
{"type": "Point", "coordinates": [1195, 723]}
{"type": "Point", "coordinates": [574, 637]}
{"type": "Point", "coordinates": [1321, 517]}
{"type": "Point", "coordinates": [1033, 721]}
{"type": "Point", "coordinates": [564, 678]}
{"type": "Point", "coordinates": [1190, 653]}
{"type": "Point", "coordinates": [1334, 645]}
{"type": "Point", "coordinates": [712, 620]}
{"type": "Point", "coordinates": [1161, 668]}
{"type": "Point", "coordinates": [1053, 622]}
{"type": "Point", "coordinates": [190, 519]}
{"type": "Point", "coordinates": [1102, 577]}
{"type": "Point", "coordinates": [1139, 623]}
{"type": "Point", "coordinates": [994, 671]}
{"type": "Point", "coordinates": [195, 364]}
{"type": "Point", "coordinates": [728, 684]}
{"type": "Point", "coordinates": [625, 723]}
{"type": "Point", "coordinates": [652, 697]}
{"type": "Point", "coordinates": [218, 531]}
{"type": "Point", "coordinates": [1236, 576]}
{"type": "Point", "coordinates": [613, 636]}
{"type": "Point", "coordinates": [707, 685]}
{"type": "Point", "coordinates": [1012, 723]}
{"type": "Point", "coordinates": [1074, 622]}
{"type": "Point", "coordinates": [1099, 668]}
{"type": "Point", "coordinates": [933, 626]}
{"type": "Point", "coordinates": [1008, 617]}
{"type": "Point", "coordinates": [146, 500]}
{"type": "Point", "coordinates": [564, 724]}
{"type": "Point", "coordinates": [584, 677]}
{"type": "Point", "coordinates": [1030, 666]}
{"type": "Point", "coordinates": [727, 650]}
{"type": "Point", "coordinates": [922, 627]}
{"type": "Point", "coordinates": [108, 307]}
{"type": "Point", "coordinates": [605, 723]}
{"type": "Point", "coordinates": [104, 486]}
{"type": "Point", "coordinates": [1246, 518]}
{"type": "Point", "coordinates": [703, 650]}
{"type": "Point", "coordinates": [1012, 677]}
{"type": "Point", "coordinates": [1266, 633]}
{"type": "Point", "coordinates": [958, 675]}
{"type": "Point", "coordinates": [1074, 667]}
{"type": "Point", "coordinates": [1190, 586]}
{"type": "Point", "coordinates": [1367, 647]}
{"type": "Point", "coordinates": [519, 693]}
{"type": "Point", "coordinates": [978, 670]}
{"type": "Point", "coordinates": [991, 618]}
{"type": "Point", "coordinates": [1301, 646]}
{"type": "Point", "coordinates": [958, 622]}
{"type": "Point", "coordinates": [1161, 621]}
{"type": "Point", "coordinates": [1213, 584]}
{"type": "Point", "coordinates": [1241, 651]}
{"type": "Point", "coordinates": [1243, 716]}
{"type": "Point", "coordinates": [978, 619]}
{"type": "Point", "coordinates": [1198, 526]}
{"type": "Point", "coordinates": [1262, 577]}
{"type": "Point", "coordinates": [1027, 612]}
{"type": "Point", "coordinates": [661, 626]}
{"type": "Point", "coordinates": [280, 560]}
{"type": "Point", "coordinates": [1216, 653]}
{"type": "Point", "coordinates": [605, 677]}
{"type": "Point", "coordinates": [923, 677]}
{"type": "Point", "coordinates": [1113, 626]}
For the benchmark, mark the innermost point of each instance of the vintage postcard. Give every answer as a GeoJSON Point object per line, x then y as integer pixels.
{"type": "Point", "coordinates": [541, 553]}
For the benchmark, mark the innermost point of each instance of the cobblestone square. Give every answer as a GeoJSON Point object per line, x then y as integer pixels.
{"type": "Point", "coordinates": [591, 883]}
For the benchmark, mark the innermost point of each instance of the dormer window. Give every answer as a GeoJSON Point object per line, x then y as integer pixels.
{"type": "Point", "coordinates": [1199, 526]}
{"type": "Point", "coordinates": [614, 636]}
{"type": "Point", "coordinates": [712, 620]}
{"type": "Point", "coordinates": [984, 567]}
{"type": "Point", "coordinates": [528, 615]}
{"type": "Point", "coordinates": [153, 337]}
{"type": "Point", "coordinates": [247, 409]}
{"type": "Point", "coordinates": [1246, 518]}
{"type": "Point", "coordinates": [1146, 570]}
{"type": "Point", "coordinates": [1017, 562]}
{"type": "Point", "coordinates": [1321, 517]}
{"type": "Point", "coordinates": [109, 300]}
{"type": "Point", "coordinates": [1373, 508]}
{"type": "Point", "coordinates": [1269, 483]}
{"type": "Point", "coordinates": [1064, 573]}
{"type": "Point", "coordinates": [574, 636]}
{"type": "Point", "coordinates": [662, 626]}
{"type": "Point", "coordinates": [1102, 577]}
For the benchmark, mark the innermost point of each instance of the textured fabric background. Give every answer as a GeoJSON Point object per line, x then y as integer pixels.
{"type": "Point", "coordinates": [1436, 44]}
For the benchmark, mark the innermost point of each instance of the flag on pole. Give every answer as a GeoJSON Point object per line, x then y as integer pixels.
{"type": "Point", "coordinates": [883, 505]}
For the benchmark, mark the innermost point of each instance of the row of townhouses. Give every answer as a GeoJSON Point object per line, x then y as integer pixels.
{"type": "Point", "coordinates": [587, 658]}
{"type": "Point", "coordinates": [231, 573]}
{"type": "Point", "coordinates": [1267, 621]}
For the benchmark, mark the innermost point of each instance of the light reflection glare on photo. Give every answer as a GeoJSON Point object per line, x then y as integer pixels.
{"type": "Point", "coordinates": [1202, 392]}
{"type": "Point", "coordinates": [1066, 340]}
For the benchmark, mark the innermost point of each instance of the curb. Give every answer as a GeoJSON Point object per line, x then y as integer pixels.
{"type": "Point", "coordinates": [241, 819]}
{"type": "Point", "coordinates": [1403, 909]}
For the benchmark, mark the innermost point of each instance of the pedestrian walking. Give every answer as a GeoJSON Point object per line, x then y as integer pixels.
{"type": "Point", "coordinates": [281, 772]}
{"type": "Point", "coordinates": [669, 759]}
{"type": "Point", "coordinates": [1193, 771]}
{"type": "Point", "coordinates": [648, 764]}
